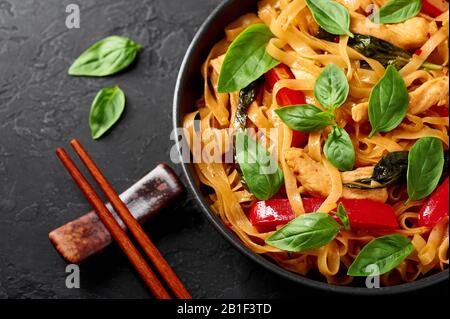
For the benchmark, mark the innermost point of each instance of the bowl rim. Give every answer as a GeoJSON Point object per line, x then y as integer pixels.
{"type": "Point", "coordinates": [231, 237]}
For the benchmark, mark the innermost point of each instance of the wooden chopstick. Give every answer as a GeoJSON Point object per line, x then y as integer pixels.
{"type": "Point", "coordinates": [114, 228]}
{"type": "Point", "coordinates": [150, 250]}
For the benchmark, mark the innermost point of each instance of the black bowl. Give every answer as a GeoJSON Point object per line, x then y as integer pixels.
{"type": "Point", "coordinates": [189, 88]}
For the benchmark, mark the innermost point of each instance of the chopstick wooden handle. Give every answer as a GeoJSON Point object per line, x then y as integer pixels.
{"type": "Point", "coordinates": [133, 226]}
{"type": "Point", "coordinates": [113, 227]}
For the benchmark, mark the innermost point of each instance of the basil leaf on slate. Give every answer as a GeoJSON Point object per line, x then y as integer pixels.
{"type": "Point", "coordinates": [343, 217]}
{"type": "Point", "coordinates": [308, 231]}
{"type": "Point", "coordinates": [246, 59]}
{"type": "Point", "coordinates": [339, 150]}
{"type": "Point", "coordinates": [305, 117]}
{"type": "Point", "coordinates": [383, 253]}
{"type": "Point", "coordinates": [106, 57]}
{"type": "Point", "coordinates": [388, 102]}
{"type": "Point", "coordinates": [106, 109]}
{"type": "Point", "coordinates": [260, 171]}
{"type": "Point", "coordinates": [331, 16]}
{"type": "Point", "coordinates": [331, 87]}
{"type": "Point", "coordinates": [425, 164]}
{"type": "Point", "coordinates": [395, 11]}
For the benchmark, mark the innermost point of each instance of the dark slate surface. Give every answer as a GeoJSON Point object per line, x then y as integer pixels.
{"type": "Point", "coordinates": [41, 108]}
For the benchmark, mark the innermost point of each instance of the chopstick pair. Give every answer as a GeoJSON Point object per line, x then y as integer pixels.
{"type": "Point", "coordinates": [117, 233]}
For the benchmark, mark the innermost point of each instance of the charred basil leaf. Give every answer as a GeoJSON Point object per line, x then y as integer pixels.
{"type": "Point", "coordinates": [260, 171]}
{"type": "Point", "coordinates": [308, 231]}
{"type": "Point", "coordinates": [106, 57]}
{"type": "Point", "coordinates": [388, 102]}
{"type": "Point", "coordinates": [390, 170]}
{"type": "Point", "coordinates": [305, 117]}
{"type": "Point", "coordinates": [246, 97]}
{"type": "Point", "coordinates": [331, 87]}
{"type": "Point", "coordinates": [246, 59]}
{"type": "Point", "coordinates": [339, 150]}
{"type": "Point", "coordinates": [106, 110]}
{"type": "Point", "coordinates": [331, 16]}
{"type": "Point", "coordinates": [380, 50]}
{"type": "Point", "coordinates": [381, 255]}
{"type": "Point", "coordinates": [395, 11]}
{"type": "Point", "coordinates": [324, 35]}
{"type": "Point", "coordinates": [425, 164]}
{"type": "Point", "coordinates": [384, 52]}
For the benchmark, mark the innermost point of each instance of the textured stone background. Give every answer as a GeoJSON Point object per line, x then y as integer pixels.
{"type": "Point", "coordinates": [41, 108]}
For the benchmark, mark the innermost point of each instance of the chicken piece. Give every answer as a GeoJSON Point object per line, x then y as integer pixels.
{"type": "Point", "coordinates": [379, 194]}
{"type": "Point", "coordinates": [353, 5]}
{"type": "Point", "coordinates": [359, 112]}
{"type": "Point", "coordinates": [314, 177]}
{"type": "Point", "coordinates": [411, 34]}
{"type": "Point", "coordinates": [359, 173]}
{"type": "Point", "coordinates": [311, 174]}
{"type": "Point", "coordinates": [431, 93]}
{"type": "Point", "coordinates": [366, 3]}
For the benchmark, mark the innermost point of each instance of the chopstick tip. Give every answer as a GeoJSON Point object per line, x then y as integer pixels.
{"type": "Point", "coordinates": [74, 142]}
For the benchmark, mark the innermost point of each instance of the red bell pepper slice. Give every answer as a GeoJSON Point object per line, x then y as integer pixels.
{"type": "Point", "coordinates": [436, 207]}
{"type": "Point", "coordinates": [363, 214]}
{"type": "Point", "coordinates": [271, 213]}
{"type": "Point", "coordinates": [299, 139]}
{"type": "Point", "coordinates": [370, 215]}
{"type": "Point", "coordinates": [440, 110]}
{"type": "Point", "coordinates": [434, 8]}
{"type": "Point", "coordinates": [286, 97]}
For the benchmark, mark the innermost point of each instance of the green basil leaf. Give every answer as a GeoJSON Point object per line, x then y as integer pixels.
{"type": "Point", "coordinates": [106, 57]}
{"type": "Point", "coordinates": [425, 164]}
{"type": "Point", "coordinates": [106, 109]}
{"type": "Point", "coordinates": [395, 11]}
{"type": "Point", "coordinates": [331, 16]}
{"type": "Point", "coordinates": [388, 102]}
{"type": "Point", "coordinates": [308, 231]}
{"type": "Point", "coordinates": [260, 171]}
{"type": "Point", "coordinates": [246, 59]}
{"type": "Point", "coordinates": [331, 87]}
{"type": "Point", "coordinates": [339, 149]}
{"type": "Point", "coordinates": [343, 217]}
{"type": "Point", "coordinates": [383, 253]}
{"type": "Point", "coordinates": [305, 117]}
